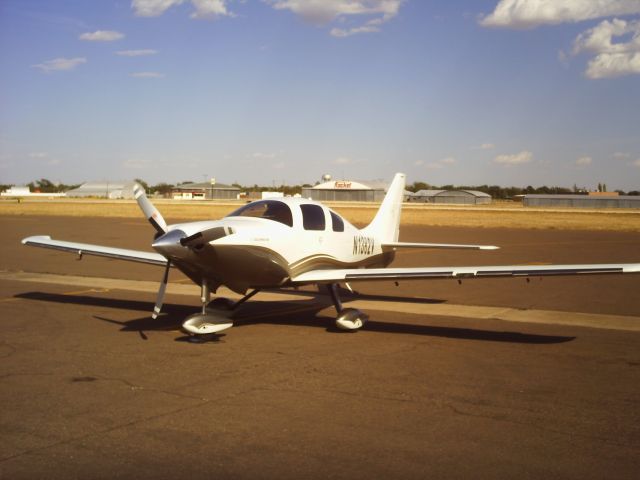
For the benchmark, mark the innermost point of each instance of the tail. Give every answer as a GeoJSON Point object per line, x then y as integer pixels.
{"type": "Point", "coordinates": [386, 224]}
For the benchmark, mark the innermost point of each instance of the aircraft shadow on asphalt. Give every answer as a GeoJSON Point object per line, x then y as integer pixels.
{"type": "Point", "coordinates": [300, 313]}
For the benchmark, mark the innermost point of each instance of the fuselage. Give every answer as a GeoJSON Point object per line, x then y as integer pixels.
{"type": "Point", "coordinates": [267, 242]}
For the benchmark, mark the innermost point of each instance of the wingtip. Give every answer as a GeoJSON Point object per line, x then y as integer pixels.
{"type": "Point", "coordinates": [34, 238]}
{"type": "Point", "coordinates": [489, 247]}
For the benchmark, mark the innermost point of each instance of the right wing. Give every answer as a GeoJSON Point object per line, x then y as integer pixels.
{"type": "Point", "coordinates": [415, 273]}
{"type": "Point", "coordinates": [394, 245]}
{"type": "Point", "coordinates": [80, 249]}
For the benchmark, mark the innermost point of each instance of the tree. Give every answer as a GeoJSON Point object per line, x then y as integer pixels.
{"type": "Point", "coordinates": [44, 186]}
{"type": "Point", "coordinates": [143, 184]}
{"type": "Point", "coordinates": [417, 186]}
{"type": "Point", "coordinates": [162, 188]}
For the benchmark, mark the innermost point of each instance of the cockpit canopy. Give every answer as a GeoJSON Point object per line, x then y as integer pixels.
{"type": "Point", "coordinates": [269, 209]}
{"type": "Point", "coordinates": [311, 214]}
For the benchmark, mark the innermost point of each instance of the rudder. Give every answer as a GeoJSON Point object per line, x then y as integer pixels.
{"type": "Point", "coordinates": [386, 224]}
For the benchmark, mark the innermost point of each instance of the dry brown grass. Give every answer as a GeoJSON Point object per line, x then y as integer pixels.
{"type": "Point", "coordinates": [495, 216]}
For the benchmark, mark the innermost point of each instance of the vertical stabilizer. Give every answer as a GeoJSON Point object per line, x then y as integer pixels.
{"type": "Point", "coordinates": [386, 224]}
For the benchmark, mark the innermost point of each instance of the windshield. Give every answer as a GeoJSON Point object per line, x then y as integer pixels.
{"type": "Point", "coordinates": [269, 209]}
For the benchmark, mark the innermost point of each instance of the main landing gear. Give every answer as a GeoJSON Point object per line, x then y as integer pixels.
{"type": "Point", "coordinates": [215, 315]}
{"type": "Point", "coordinates": [348, 318]}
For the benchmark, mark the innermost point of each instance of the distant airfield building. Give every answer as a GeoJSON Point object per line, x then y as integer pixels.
{"type": "Point", "coordinates": [205, 191]}
{"type": "Point", "coordinates": [450, 197]}
{"type": "Point", "coordinates": [599, 200]}
{"type": "Point", "coordinates": [21, 192]}
{"type": "Point", "coordinates": [103, 190]}
{"type": "Point", "coordinates": [345, 191]}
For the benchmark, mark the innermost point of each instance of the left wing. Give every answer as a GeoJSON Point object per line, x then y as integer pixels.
{"type": "Point", "coordinates": [355, 274]}
{"type": "Point", "coordinates": [80, 249]}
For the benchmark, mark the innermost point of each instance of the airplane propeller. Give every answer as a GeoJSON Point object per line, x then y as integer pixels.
{"type": "Point", "coordinates": [163, 287]}
{"type": "Point", "coordinates": [151, 212]}
{"type": "Point", "coordinates": [157, 221]}
{"type": "Point", "coordinates": [168, 240]}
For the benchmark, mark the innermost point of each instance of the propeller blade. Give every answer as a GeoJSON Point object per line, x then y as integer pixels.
{"type": "Point", "coordinates": [163, 287]}
{"type": "Point", "coordinates": [151, 212]}
{"type": "Point", "coordinates": [205, 236]}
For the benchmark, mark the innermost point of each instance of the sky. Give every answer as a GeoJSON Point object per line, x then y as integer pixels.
{"type": "Point", "coordinates": [462, 92]}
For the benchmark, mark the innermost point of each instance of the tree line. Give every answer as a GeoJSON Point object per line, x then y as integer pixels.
{"type": "Point", "coordinates": [46, 186]}
{"type": "Point", "coordinates": [506, 193]}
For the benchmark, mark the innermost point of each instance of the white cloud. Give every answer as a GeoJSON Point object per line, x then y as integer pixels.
{"type": "Point", "coordinates": [322, 12]}
{"type": "Point", "coordinates": [58, 64]}
{"type": "Point", "coordinates": [418, 163]}
{"type": "Point", "coordinates": [38, 155]}
{"type": "Point", "coordinates": [153, 8]}
{"type": "Point", "coordinates": [317, 12]}
{"type": "Point", "coordinates": [368, 27]}
{"type": "Point", "coordinates": [515, 159]}
{"type": "Point", "coordinates": [612, 59]}
{"type": "Point", "coordinates": [584, 161]}
{"type": "Point", "coordinates": [442, 163]}
{"type": "Point", "coordinates": [278, 165]}
{"type": "Point", "coordinates": [533, 13]}
{"type": "Point", "coordinates": [136, 164]}
{"type": "Point", "coordinates": [202, 8]}
{"type": "Point", "coordinates": [611, 65]}
{"type": "Point", "coordinates": [101, 36]}
{"type": "Point", "coordinates": [621, 155]}
{"type": "Point", "coordinates": [136, 53]}
{"type": "Point", "coordinates": [342, 161]}
{"type": "Point", "coordinates": [210, 9]}
{"type": "Point", "coordinates": [147, 75]}
{"type": "Point", "coordinates": [484, 146]}
{"type": "Point", "coordinates": [636, 163]}
{"type": "Point", "coordinates": [265, 156]}
{"type": "Point", "coordinates": [434, 166]}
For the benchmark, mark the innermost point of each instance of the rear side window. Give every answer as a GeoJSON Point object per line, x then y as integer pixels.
{"type": "Point", "coordinates": [312, 217]}
{"type": "Point", "coordinates": [337, 222]}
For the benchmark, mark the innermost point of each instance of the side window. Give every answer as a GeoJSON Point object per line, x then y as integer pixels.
{"type": "Point", "coordinates": [312, 217]}
{"type": "Point", "coordinates": [338, 224]}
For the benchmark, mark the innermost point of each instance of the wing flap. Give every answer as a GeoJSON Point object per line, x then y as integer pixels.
{"type": "Point", "coordinates": [360, 274]}
{"type": "Point", "coordinates": [390, 245]}
{"type": "Point", "coordinates": [139, 256]}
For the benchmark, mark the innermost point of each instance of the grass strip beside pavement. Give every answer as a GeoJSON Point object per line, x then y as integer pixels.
{"type": "Point", "coordinates": [494, 216]}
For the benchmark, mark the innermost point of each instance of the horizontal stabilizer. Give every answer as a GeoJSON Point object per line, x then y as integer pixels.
{"type": "Point", "coordinates": [80, 249]}
{"type": "Point", "coordinates": [389, 245]}
{"type": "Point", "coordinates": [368, 274]}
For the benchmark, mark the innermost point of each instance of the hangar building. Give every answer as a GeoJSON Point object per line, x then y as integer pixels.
{"type": "Point", "coordinates": [345, 191]}
{"type": "Point", "coordinates": [582, 201]}
{"type": "Point", "coordinates": [451, 197]}
{"type": "Point", "coordinates": [103, 190]}
{"type": "Point", "coordinates": [204, 191]}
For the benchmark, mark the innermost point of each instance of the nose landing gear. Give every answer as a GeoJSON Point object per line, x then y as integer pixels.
{"type": "Point", "coordinates": [215, 315]}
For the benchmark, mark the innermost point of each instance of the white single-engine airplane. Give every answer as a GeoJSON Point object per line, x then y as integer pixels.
{"type": "Point", "coordinates": [292, 242]}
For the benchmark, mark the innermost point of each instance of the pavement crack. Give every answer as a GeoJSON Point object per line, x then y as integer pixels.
{"type": "Point", "coordinates": [102, 432]}
{"type": "Point", "coordinates": [571, 434]}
